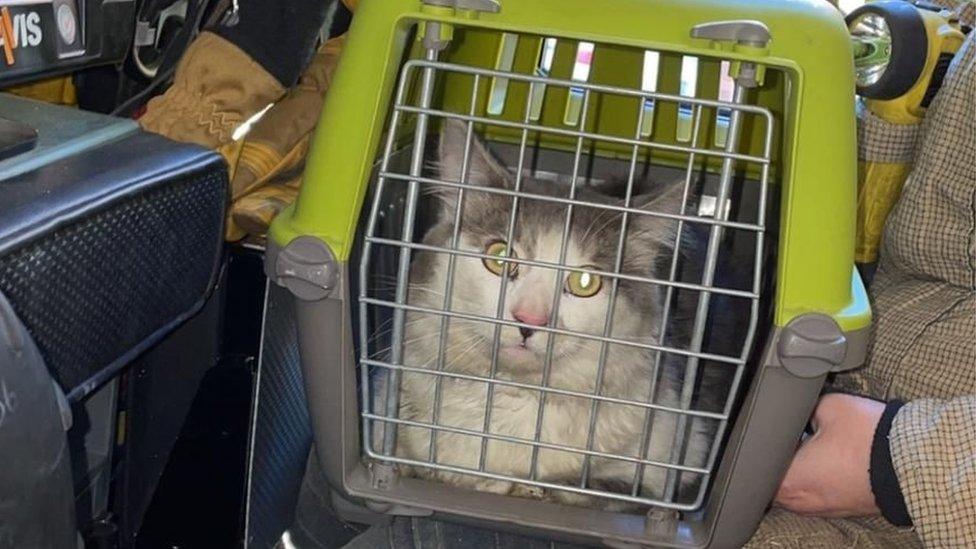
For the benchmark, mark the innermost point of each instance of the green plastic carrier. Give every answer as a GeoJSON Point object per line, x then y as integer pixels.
{"type": "Point", "coordinates": [753, 101]}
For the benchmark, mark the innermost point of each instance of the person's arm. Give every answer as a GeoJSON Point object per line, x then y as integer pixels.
{"type": "Point", "coordinates": [830, 473]}
{"type": "Point", "coordinates": [915, 463]}
{"type": "Point", "coordinates": [932, 446]}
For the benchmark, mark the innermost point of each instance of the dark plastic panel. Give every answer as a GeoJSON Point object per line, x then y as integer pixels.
{"type": "Point", "coordinates": [281, 433]}
{"type": "Point", "coordinates": [105, 251]}
{"type": "Point", "coordinates": [36, 504]}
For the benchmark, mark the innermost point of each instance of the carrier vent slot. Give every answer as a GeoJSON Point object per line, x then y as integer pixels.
{"type": "Point", "coordinates": [581, 73]}
{"type": "Point", "coordinates": [726, 88]}
{"type": "Point", "coordinates": [543, 67]}
{"type": "Point", "coordinates": [503, 62]}
{"type": "Point", "coordinates": [688, 88]}
{"type": "Point", "coordinates": [649, 77]}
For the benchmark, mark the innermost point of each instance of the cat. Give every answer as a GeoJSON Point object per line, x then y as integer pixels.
{"type": "Point", "coordinates": [521, 354]}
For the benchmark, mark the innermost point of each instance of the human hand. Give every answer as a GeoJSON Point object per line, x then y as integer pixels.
{"type": "Point", "coordinates": [829, 475]}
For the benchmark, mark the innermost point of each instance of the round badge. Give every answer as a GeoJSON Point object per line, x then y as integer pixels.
{"type": "Point", "coordinates": [66, 24]}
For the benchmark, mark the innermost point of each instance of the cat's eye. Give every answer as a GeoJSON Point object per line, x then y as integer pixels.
{"type": "Point", "coordinates": [583, 284]}
{"type": "Point", "coordinates": [500, 250]}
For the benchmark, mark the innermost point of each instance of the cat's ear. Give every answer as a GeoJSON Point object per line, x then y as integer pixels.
{"type": "Point", "coordinates": [669, 200]}
{"type": "Point", "coordinates": [483, 169]}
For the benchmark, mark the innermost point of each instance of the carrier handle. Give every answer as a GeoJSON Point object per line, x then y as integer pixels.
{"type": "Point", "coordinates": [746, 32]}
{"type": "Point", "coordinates": [748, 35]}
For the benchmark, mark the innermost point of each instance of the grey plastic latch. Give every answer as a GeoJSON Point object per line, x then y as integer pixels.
{"type": "Point", "coordinates": [489, 6]}
{"type": "Point", "coordinates": [307, 268]}
{"type": "Point", "coordinates": [743, 31]}
{"type": "Point", "coordinates": [811, 345]}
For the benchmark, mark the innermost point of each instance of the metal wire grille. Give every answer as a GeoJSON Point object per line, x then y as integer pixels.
{"type": "Point", "coordinates": [382, 367]}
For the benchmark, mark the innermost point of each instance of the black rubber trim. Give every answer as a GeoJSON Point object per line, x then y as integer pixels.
{"type": "Point", "coordinates": [938, 75]}
{"type": "Point", "coordinates": [884, 481]}
{"type": "Point", "coordinates": [909, 45]}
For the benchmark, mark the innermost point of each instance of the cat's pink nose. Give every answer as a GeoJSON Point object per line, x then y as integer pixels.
{"type": "Point", "coordinates": [530, 317]}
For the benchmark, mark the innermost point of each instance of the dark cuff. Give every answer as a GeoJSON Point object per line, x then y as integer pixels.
{"type": "Point", "coordinates": [884, 481]}
{"type": "Point", "coordinates": [341, 20]}
{"type": "Point", "coordinates": [280, 35]}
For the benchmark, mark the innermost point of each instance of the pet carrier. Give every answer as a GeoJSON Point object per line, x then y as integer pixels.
{"type": "Point", "coordinates": [475, 156]}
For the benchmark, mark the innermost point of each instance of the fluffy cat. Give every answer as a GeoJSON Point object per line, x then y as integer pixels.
{"type": "Point", "coordinates": [592, 242]}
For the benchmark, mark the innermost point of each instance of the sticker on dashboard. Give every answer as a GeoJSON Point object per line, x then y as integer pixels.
{"type": "Point", "coordinates": [36, 34]}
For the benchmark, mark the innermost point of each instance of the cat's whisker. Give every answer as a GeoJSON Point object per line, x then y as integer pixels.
{"type": "Point", "coordinates": [418, 288]}
{"type": "Point", "coordinates": [450, 354]}
{"type": "Point", "coordinates": [475, 341]}
{"type": "Point", "coordinates": [410, 341]}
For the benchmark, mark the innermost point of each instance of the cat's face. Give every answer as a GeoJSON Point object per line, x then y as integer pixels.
{"type": "Point", "coordinates": [530, 294]}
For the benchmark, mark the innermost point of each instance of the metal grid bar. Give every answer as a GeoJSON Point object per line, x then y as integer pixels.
{"type": "Point", "coordinates": [540, 388]}
{"type": "Point", "coordinates": [558, 331]}
{"type": "Point", "coordinates": [400, 308]}
{"type": "Point", "coordinates": [451, 263]}
{"type": "Point", "coordinates": [531, 442]}
{"type": "Point", "coordinates": [506, 275]}
{"type": "Point", "coordinates": [557, 295]}
{"type": "Point", "coordinates": [708, 278]}
{"type": "Point", "coordinates": [752, 227]}
{"type": "Point", "coordinates": [550, 265]}
{"type": "Point", "coordinates": [529, 482]}
{"type": "Point", "coordinates": [403, 270]}
{"type": "Point", "coordinates": [608, 321]}
{"type": "Point", "coordinates": [753, 313]}
{"type": "Point", "coordinates": [586, 135]}
{"type": "Point", "coordinates": [668, 300]}
{"type": "Point", "coordinates": [366, 398]}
